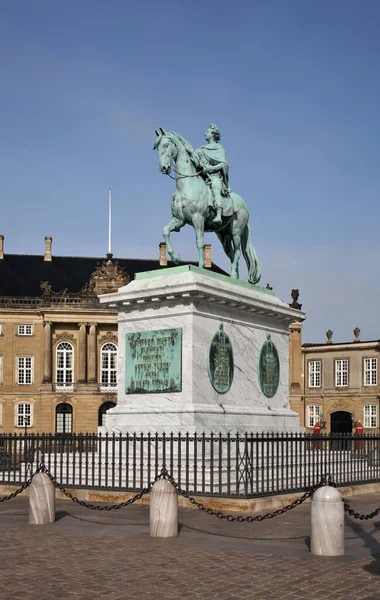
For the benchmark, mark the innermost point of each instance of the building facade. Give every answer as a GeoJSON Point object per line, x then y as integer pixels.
{"type": "Point", "coordinates": [335, 384]}
{"type": "Point", "coordinates": [58, 350]}
{"type": "Point", "coordinates": [58, 345]}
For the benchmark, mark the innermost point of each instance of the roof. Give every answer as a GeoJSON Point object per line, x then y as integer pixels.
{"type": "Point", "coordinates": [328, 345]}
{"type": "Point", "coordinates": [22, 274]}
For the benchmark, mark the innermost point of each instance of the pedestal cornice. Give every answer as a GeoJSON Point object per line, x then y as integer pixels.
{"type": "Point", "coordinates": [188, 283]}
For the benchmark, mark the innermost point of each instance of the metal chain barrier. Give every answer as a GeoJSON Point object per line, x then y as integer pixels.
{"type": "Point", "coordinates": [108, 507]}
{"type": "Point", "coordinates": [354, 513]}
{"type": "Point", "coordinates": [360, 516]}
{"type": "Point", "coordinates": [20, 489]}
{"type": "Point", "coordinates": [221, 515]}
{"type": "Point", "coordinates": [43, 469]}
{"type": "Point", "coordinates": [164, 474]}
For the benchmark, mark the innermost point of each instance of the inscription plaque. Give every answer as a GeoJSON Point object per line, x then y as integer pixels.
{"type": "Point", "coordinates": [269, 368]}
{"type": "Point", "coordinates": [153, 361]}
{"type": "Point", "coordinates": [220, 361]}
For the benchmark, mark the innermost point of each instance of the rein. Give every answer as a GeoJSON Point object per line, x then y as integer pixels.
{"type": "Point", "coordinates": [181, 176]}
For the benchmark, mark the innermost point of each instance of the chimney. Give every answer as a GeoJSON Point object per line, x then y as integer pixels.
{"type": "Point", "coordinates": [163, 258]}
{"type": "Point", "coordinates": [207, 255]}
{"type": "Point", "coordinates": [48, 255]}
{"type": "Point", "coordinates": [1, 247]}
{"type": "Point", "coordinates": [357, 334]}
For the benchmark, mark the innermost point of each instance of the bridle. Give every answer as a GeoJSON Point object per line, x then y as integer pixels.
{"type": "Point", "coordinates": [179, 175]}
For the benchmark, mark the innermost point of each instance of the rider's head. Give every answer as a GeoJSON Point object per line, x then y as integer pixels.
{"type": "Point", "coordinates": [214, 131]}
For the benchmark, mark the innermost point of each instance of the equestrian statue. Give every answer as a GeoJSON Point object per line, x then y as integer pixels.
{"type": "Point", "coordinates": [204, 199]}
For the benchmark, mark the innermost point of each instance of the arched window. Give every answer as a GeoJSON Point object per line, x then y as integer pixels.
{"type": "Point", "coordinates": [370, 416]}
{"type": "Point", "coordinates": [63, 418]}
{"type": "Point", "coordinates": [108, 368]}
{"type": "Point", "coordinates": [64, 367]}
{"type": "Point", "coordinates": [102, 412]}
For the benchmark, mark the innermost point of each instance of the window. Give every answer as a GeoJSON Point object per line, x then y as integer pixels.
{"type": "Point", "coordinates": [370, 415]}
{"type": "Point", "coordinates": [314, 414]}
{"type": "Point", "coordinates": [102, 412]}
{"type": "Point", "coordinates": [370, 371]}
{"type": "Point", "coordinates": [108, 367]}
{"type": "Point", "coordinates": [25, 330]}
{"type": "Point", "coordinates": [63, 418]}
{"type": "Point", "coordinates": [25, 370]}
{"type": "Point", "coordinates": [341, 372]}
{"type": "Point", "coordinates": [1, 370]}
{"type": "Point", "coordinates": [64, 367]}
{"type": "Point", "coordinates": [1, 329]}
{"type": "Point", "coordinates": [24, 415]}
{"type": "Point", "coordinates": [314, 373]}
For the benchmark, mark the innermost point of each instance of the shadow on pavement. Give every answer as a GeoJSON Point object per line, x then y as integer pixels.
{"type": "Point", "coordinates": [61, 514]}
{"type": "Point", "coordinates": [372, 545]}
{"type": "Point", "coordinates": [242, 537]}
{"type": "Point", "coordinates": [98, 522]}
{"type": "Point", "coordinates": [373, 567]}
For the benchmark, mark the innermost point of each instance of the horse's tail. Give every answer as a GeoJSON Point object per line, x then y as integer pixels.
{"type": "Point", "coordinates": [253, 264]}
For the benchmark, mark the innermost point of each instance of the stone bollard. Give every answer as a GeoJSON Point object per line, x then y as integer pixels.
{"type": "Point", "coordinates": [41, 500]}
{"type": "Point", "coordinates": [327, 522]}
{"type": "Point", "coordinates": [163, 509]}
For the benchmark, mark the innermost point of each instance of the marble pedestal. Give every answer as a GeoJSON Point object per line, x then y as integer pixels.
{"type": "Point", "coordinates": [197, 301]}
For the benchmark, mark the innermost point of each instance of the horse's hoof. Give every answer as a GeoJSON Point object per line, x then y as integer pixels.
{"type": "Point", "coordinates": [176, 259]}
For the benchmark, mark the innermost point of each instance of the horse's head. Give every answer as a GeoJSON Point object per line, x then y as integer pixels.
{"type": "Point", "coordinates": [167, 150]}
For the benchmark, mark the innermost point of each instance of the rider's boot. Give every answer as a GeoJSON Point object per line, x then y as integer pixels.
{"type": "Point", "coordinates": [218, 217]}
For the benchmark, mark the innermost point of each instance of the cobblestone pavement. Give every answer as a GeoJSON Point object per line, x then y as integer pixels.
{"type": "Point", "coordinates": [88, 555]}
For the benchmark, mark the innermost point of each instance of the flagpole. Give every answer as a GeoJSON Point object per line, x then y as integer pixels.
{"type": "Point", "coordinates": [109, 219]}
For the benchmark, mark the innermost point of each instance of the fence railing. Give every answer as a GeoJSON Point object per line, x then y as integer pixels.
{"type": "Point", "coordinates": [230, 465]}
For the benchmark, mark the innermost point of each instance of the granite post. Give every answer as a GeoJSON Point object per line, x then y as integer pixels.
{"type": "Point", "coordinates": [163, 509]}
{"type": "Point", "coordinates": [327, 522]}
{"type": "Point", "coordinates": [41, 500]}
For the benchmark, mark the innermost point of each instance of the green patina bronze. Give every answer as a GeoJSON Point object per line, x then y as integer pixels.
{"type": "Point", "coordinates": [220, 362]}
{"type": "Point", "coordinates": [269, 368]}
{"type": "Point", "coordinates": [205, 273]}
{"type": "Point", "coordinates": [204, 200]}
{"type": "Point", "coordinates": [153, 361]}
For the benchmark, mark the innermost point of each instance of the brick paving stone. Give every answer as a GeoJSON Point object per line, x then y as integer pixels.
{"type": "Point", "coordinates": [83, 557]}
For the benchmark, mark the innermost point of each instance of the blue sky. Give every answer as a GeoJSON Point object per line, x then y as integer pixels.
{"type": "Point", "coordinates": [293, 85]}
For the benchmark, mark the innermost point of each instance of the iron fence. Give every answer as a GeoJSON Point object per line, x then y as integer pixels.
{"type": "Point", "coordinates": [243, 466]}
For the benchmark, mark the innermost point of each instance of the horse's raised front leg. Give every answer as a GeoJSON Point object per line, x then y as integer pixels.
{"type": "Point", "coordinates": [199, 226]}
{"type": "Point", "coordinates": [173, 225]}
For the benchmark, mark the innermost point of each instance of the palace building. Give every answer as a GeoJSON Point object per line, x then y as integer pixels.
{"type": "Point", "coordinates": [58, 350]}
{"type": "Point", "coordinates": [58, 344]}
{"type": "Point", "coordinates": [335, 384]}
